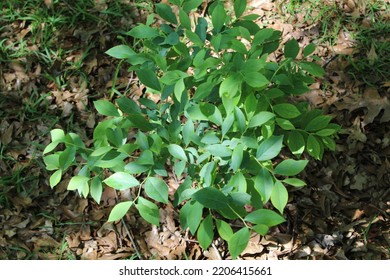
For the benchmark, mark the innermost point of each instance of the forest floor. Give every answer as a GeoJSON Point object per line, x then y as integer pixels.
{"type": "Point", "coordinates": [53, 65]}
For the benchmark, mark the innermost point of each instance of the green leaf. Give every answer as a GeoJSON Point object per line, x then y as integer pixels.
{"type": "Point", "coordinates": [265, 217]}
{"type": "Point", "coordinates": [290, 167]}
{"type": "Point", "coordinates": [237, 156]}
{"type": "Point", "coordinates": [136, 168]}
{"type": "Point", "coordinates": [250, 105]}
{"type": "Point", "coordinates": [264, 184]}
{"type": "Point", "coordinates": [191, 215]}
{"type": "Point", "coordinates": [52, 162]}
{"type": "Point", "coordinates": [179, 167]}
{"type": "Point", "coordinates": [238, 182]}
{"type": "Point", "coordinates": [279, 196]}
{"type": "Point", "coordinates": [318, 123]}
{"type": "Point", "coordinates": [260, 119]}
{"type": "Point", "coordinates": [179, 89]}
{"type": "Point", "coordinates": [78, 182]}
{"type": "Point", "coordinates": [240, 198]}
{"type": "Point", "coordinates": [227, 124]}
{"type": "Point", "coordinates": [146, 158]}
{"type": "Point", "coordinates": [255, 79]}
{"type": "Point", "coordinates": [121, 51]}
{"type": "Point", "coordinates": [261, 229]}
{"type": "Point", "coordinates": [128, 105]}
{"type": "Point", "coordinates": [313, 147]}
{"type": "Point", "coordinates": [119, 211]}
{"type": "Point", "coordinates": [148, 210]}
{"type": "Point", "coordinates": [284, 124]}
{"type": "Point", "coordinates": [189, 5]}
{"type": "Point", "coordinates": [140, 122]}
{"type": "Point", "coordinates": [176, 2]}
{"type": "Point", "coordinates": [291, 49]}
{"type": "Point", "coordinates": [157, 189]}
{"type": "Point", "coordinates": [211, 198]}
{"type": "Point", "coordinates": [67, 157]}
{"type": "Point", "coordinates": [205, 111]}
{"type": "Point", "coordinates": [218, 17]}
{"type": "Point", "coordinates": [219, 150]}
{"type": "Point", "coordinates": [55, 178]}
{"type": "Point", "coordinates": [106, 108]}
{"type": "Point", "coordinates": [165, 11]}
{"type": "Point", "coordinates": [309, 49]}
{"type": "Point", "coordinates": [270, 148]}
{"type": "Point", "coordinates": [177, 152]}
{"type": "Point", "coordinates": [296, 143]}
{"type": "Point", "coordinates": [239, 7]}
{"type": "Point", "coordinates": [188, 131]}
{"type": "Point", "coordinates": [201, 28]}
{"type": "Point", "coordinates": [240, 119]}
{"type": "Point", "coordinates": [57, 135]}
{"type": "Point", "coordinates": [172, 77]}
{"type": "Point", "coordinates": [121, 181]}
{"type": "Point", "coordinates": [224, 229]}
{"type": "Point", "coordinates": [51, 147]}
{"type": "Point", "coordinates": [101, 151]}
{"type": "Point", "coordinates": [203, 91]}
{"type": "Point", "coordinates": [238, 46]}
{"type": "Point", "coordinates": [238, 242]}
{"type": "Point", "coordinates": [184, 19]}
{"type": "Point", "coordinates": [294, 182]}
{"type": "Point", "coordinates": [329, 143]}
{"type": "Point", "coordinates": [194, 38]}
{"type": "Point", "coordinates": [182, 190]}
{"type": "Point", "coordinates": [326, 132]}
{"type": "Point", "coordinates": [143, 32]}
{"type": "Point", "coordinates": [230, 86]}
{"type": "Point", "coordinates": [286, 110]}
{"type": "Point", "coordinates": [262, 35]}
{"type": "Point", "coordinates": [142, 141]}
{"type": "Point", "coordinates": [205, 233]}
{"type": "Point", "coordinates": [96, 189]}
{"type": "Point", "coordinates": [312, 68]}
{"type": "Point", "coordinates": [148, 78]}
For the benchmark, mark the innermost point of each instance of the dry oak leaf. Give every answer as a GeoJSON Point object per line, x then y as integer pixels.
{"type": "Point", "coordinates": [372, 101]}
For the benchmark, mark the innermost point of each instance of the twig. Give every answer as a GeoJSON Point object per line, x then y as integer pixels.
{"type": "Point", "coordinates": [135, 245]}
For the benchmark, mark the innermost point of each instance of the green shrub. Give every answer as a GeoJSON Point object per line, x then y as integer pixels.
{"type": "Point", "coordinates": [224, 115]}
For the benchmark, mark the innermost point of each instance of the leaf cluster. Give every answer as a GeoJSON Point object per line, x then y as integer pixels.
{"type": "Point", "coordinates": [223, 119]}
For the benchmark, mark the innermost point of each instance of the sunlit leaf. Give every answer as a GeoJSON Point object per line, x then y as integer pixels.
{"type": "Point", "coordinates": [279, 196]}
{"type": "Point", "coordinates": [119, 211]}
{"type": "Point", "coordinates": [121, 181]}
{"type": "Point", "coordinates": [264, 216]}
{"type": "Point", "coordinates": [157, 189]}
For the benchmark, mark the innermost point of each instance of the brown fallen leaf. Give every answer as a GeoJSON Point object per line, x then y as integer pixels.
{"type": "Point", "coordinates": [371, 100]}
